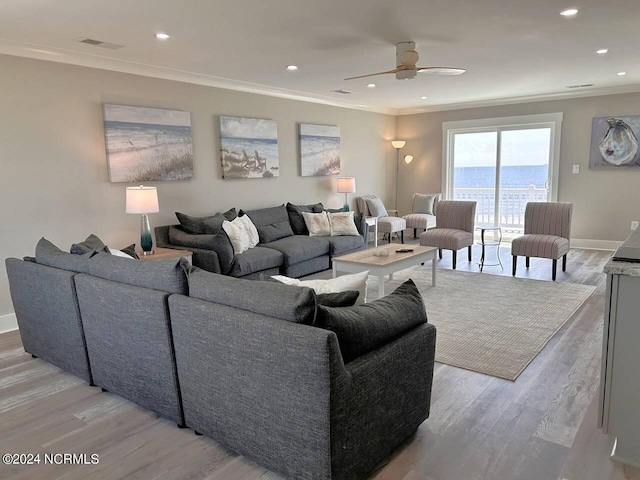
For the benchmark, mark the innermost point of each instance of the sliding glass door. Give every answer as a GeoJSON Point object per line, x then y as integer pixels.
{"type": "Point", "coordinates": [501, 168]}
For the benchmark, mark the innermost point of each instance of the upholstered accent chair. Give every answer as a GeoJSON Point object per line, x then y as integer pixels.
{"type": "Point", "coordinates": [423, 212]}
{"type": "Point", "coordinates": [386, 224]}
{"type": "Point", "coordinates": [547, 228]}
{"type": "Point", "coordinates": [455, 224]}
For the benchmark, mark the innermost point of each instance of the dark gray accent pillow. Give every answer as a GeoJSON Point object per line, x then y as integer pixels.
{"type": "Point", "coordinates": [164, 275]}
{"type": "Point", "coordinates": [131, 251]}
{"type": "Point", "coordinates": [339, 299]}
{"type": "Point", "coordinates": [363, 328]}
{"type": "Point", "coordinates": [275, 299]}
{"type": "Point", "coordinates": [205, 225]}
{"type": "Point", "coordinates": [272, 223]}
{"type": "Point", "coordinates": [334, 210]}
{"type": "Point", "coordinates": [91, 244]}
{"type": "Point", "coordinates": [50, 255]}
{"type": "Point", "coordinates": [219, 243]}
{"type": "Point", "coordinates": [298, 226]}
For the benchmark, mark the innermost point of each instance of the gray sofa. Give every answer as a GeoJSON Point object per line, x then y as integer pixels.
{"type": "Point", "coordinates": [219, 355]}
{"type": "Point", "coordinates": [285, 246]}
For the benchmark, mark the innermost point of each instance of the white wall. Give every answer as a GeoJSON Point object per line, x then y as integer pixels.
{"type": "Point", "coordinates": [605, 201]}
{"type": "Point", "coordinates": [54, 183]}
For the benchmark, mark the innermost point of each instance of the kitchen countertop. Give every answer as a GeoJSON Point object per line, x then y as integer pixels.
{"type": "Point", "coordinates": [626, 268]}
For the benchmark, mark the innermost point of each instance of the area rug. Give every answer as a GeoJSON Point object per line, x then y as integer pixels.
{"type": "Point", "coordinates": [490, 324]}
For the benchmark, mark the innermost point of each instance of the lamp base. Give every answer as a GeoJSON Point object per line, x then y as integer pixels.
{"type": "Point", "coordinates": [146, 241]}
{"type": "Point", "coordinates": [345, 207]}
{"type": "Point", "coordinates": [150, 252]}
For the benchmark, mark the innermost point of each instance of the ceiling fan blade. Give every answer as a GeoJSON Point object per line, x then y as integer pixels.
{"type": "Point", "coordinates": [441, 70]}
{"type": "Point", "coordinates": [379, 73]}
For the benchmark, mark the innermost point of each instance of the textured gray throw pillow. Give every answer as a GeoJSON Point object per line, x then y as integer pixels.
{"type": "Point", "coordinates": [376, 207]}
{"type": "Point", "coordinates": [91, 244]}
{"type": "Point", "coordinates": [272, 223]}
{"type": "Point", "coordinates": [363, 328]}
{"type": "Point", "coordinates": [48, 254]}
{"type": "Point", "coordinates": [205, 225]}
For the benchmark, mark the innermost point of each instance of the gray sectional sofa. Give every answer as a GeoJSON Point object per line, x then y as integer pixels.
{"type": "Point", "coordinates": [265, 378]}
{"type": "Point", "coordinates": [285, 245]}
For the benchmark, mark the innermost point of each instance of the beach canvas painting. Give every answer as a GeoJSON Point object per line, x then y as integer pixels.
{"type": "Point", "coordinates": [614, 142]}
{"type": "Point", "coordinates": [319, 150]}
{"type": "Point", "coordinates": [147, 144]}
{"type": "Point", "coordinates": [248, 148]}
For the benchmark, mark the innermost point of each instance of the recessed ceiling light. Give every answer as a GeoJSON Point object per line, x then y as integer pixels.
{"type": "Point", "coordinates": [162, 36]}
{"type": "Point", "coordinates": [570, 12]}
{"type": "Point", "coordinates": [292, 67]}
{"type": "Point", "coordinates": [602, 51]}
{"type": "Point", "coordinates": [371, 85]}
{"type": "Point", "coordinates": [621, 74]}
{"type": "Point", "coordinates": [423, 98]}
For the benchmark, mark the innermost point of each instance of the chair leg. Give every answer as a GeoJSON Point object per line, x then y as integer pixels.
{"type": "Point", "coordinates": [514, 264]}
{"type": "Point", "coordinates": [564, 262]}
{"type": "Point", "coordinates": [554, 267]}
{"type": "Point", "coordinates": [402, 236]}
{"type": "Point", "coordinates": [469, 254]}
{"type": "Point", "coordinates": [440, 253]}
{"type": "Point", "coordinates": [526, 261]}
{"type": "Point", "coordinates": [454, 259]}
{"type": "Point", "coordinates": [415, 232]}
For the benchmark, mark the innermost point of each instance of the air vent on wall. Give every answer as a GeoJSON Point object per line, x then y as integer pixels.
{"type": "Point", "coordinates": [582, 86]}
{"type": "Point", "coordinates": [343, 92]}
{"type": "Point", "coordinates": [100, 43]}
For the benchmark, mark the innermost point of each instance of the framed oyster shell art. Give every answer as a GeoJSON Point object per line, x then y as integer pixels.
{"type": "Point", "coordinates": [614, 142]}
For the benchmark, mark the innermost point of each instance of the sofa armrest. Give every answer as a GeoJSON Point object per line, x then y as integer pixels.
{"type": "Point", "coordinates": [361, 225]}
{"type": "Point", "coordinates": [387, 399]}
{"type": "Point", "coordinates": [260, 385]}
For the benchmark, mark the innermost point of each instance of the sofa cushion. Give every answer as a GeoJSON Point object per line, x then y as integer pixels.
{"type": "Point", "coordinates": [219, 243]}
{"type": "Point", "coordinates": [163, 275]}
{"type": "Point", "coordinates": [363, 328]}
{"type": "Point", "coordinates": [255, 260]}
{"type": "Point", "coordinates": [91, 244]}
{"type": "Point", "coordinates": [205, 225]}
{"type": "Point", "coordinates": [272, 223]}
{"type": "Point", "coordinates": [267, 298]}
{"type": "Point", "coordinates": [343, 244]}
{"type": "Point", "coordinates": [295, 216]}
{"type": "Point", "coordinates": [338, 299]}
{"type": "Point", "coordinates": [48, 254]}
{"type": "Point", "coordinates": [298, 248]}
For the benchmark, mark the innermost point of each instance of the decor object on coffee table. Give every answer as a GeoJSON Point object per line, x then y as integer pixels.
{"type": "Point", "coordinates": [319, 150]}
{"type": "Point", "coordinates": [346, 185]}
{"type": "Point", "coordinates": [547, 229]}
{"type": "Point", "coordinates": [455, 224]}
{"type": "Point", "coordinates": [143, 200]}
{"type": "Point", "coordinates": [147, 144]}
{"type": "Point", "coordinates": [380, 266]}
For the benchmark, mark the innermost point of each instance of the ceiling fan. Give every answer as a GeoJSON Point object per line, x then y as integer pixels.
{"type": "Point", "coordinates": [406, 59]}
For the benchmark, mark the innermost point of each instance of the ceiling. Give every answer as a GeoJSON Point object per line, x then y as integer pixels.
{"type": "Point", "coordinates": [513, 50]}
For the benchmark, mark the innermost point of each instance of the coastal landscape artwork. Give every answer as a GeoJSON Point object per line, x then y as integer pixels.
{"type": "Point", "coordinates": [614, 142]}
{"type": "Point", "coordinates": [147, 144]}
{"type": "Point", "coordinates": [319, 150]}
{"type": "Point", "coordinates": [248, 148]}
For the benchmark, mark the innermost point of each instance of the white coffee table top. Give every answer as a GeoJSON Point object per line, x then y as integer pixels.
{"type": "Point", "coordinates": [367, 257]}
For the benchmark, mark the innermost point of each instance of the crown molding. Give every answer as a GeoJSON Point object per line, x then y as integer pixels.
{"type": "Point", "coordinates": [591, 92]}
{"type": "Point", "coordinates": [51, 54]}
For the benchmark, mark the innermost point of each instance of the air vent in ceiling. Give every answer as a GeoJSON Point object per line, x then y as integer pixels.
{"type": "Point", "coordinates": [343, 92]}
{"type": "Point", "coordinates": [582, 86]}
{"type": "Point", "coordinates": [100, 43]}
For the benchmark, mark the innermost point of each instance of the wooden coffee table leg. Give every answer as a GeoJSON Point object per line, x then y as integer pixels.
{"type": "Point", "coordinates": [380, 286]}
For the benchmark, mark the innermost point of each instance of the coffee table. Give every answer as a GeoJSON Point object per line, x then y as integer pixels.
{"type": "Point", "coordinates": [382, 266]}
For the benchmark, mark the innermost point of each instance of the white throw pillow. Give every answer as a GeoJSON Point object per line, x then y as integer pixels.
{"type": "Point", "coordinates": [342, 224]}
{"type": "Point", "coordinates": [356, 281]}
{"type": "Point", "coordinates": [376, 207]}
{"type": "Point", "coordinates": [424, 203]}
{"type": "Point", "coordinates": [251, 230]}
{"type": "Point", "coordinates": [118, 253]}
{"type": "Point", "coordinates": [317, 224]}
{"type": "Point", "coordinates": [238, 235]}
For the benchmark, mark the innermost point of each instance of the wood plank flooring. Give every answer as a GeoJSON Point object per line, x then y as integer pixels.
{"type": "Point", "coordinates": [542, 426]}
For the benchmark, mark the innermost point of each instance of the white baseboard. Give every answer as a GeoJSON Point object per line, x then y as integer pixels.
{"type": "Point", "coordinates": [8, 323]}
{"type": "Point", "coordinates": [595, 244]}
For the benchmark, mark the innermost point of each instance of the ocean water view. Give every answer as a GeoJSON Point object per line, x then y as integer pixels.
{"type": "Point", "coordinates": [510, 176]}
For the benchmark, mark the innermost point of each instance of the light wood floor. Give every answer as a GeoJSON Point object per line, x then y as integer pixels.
{"type": "Point", "coordinates": [540, 427]}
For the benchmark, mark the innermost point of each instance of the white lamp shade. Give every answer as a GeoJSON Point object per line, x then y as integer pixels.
{"type": "Point", "coordinates": [142, 200]}
{"type": "Point", "coordinates": [346, 185]}
{"type": "Point", "coordinates": [408, 159]}
{"type": "Point", "coordinates": [398, 143]}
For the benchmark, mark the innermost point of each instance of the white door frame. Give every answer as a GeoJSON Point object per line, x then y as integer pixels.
{"type": "Point", "coordinates": [553, 121]}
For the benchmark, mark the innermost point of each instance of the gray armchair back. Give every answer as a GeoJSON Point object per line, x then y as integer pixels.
{"type": "Point", "coordinates": [456, 215]}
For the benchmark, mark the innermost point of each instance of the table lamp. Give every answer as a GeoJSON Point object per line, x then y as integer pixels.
{"type": "Point", "coordinates": [346, 185]}
{"type": "Point", "coordinates": [143, 200]}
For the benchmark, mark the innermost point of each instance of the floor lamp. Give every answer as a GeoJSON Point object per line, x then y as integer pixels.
{"type": "Point", "coordinates": [398, 144]}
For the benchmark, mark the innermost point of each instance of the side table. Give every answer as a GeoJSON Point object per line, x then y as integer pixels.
{"type": "Point", "coordinates": [165, 254]}
{"type": "Point", "coordinates": [486, 243]}
{"type": "Point", "coordinates": [373, 222]}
